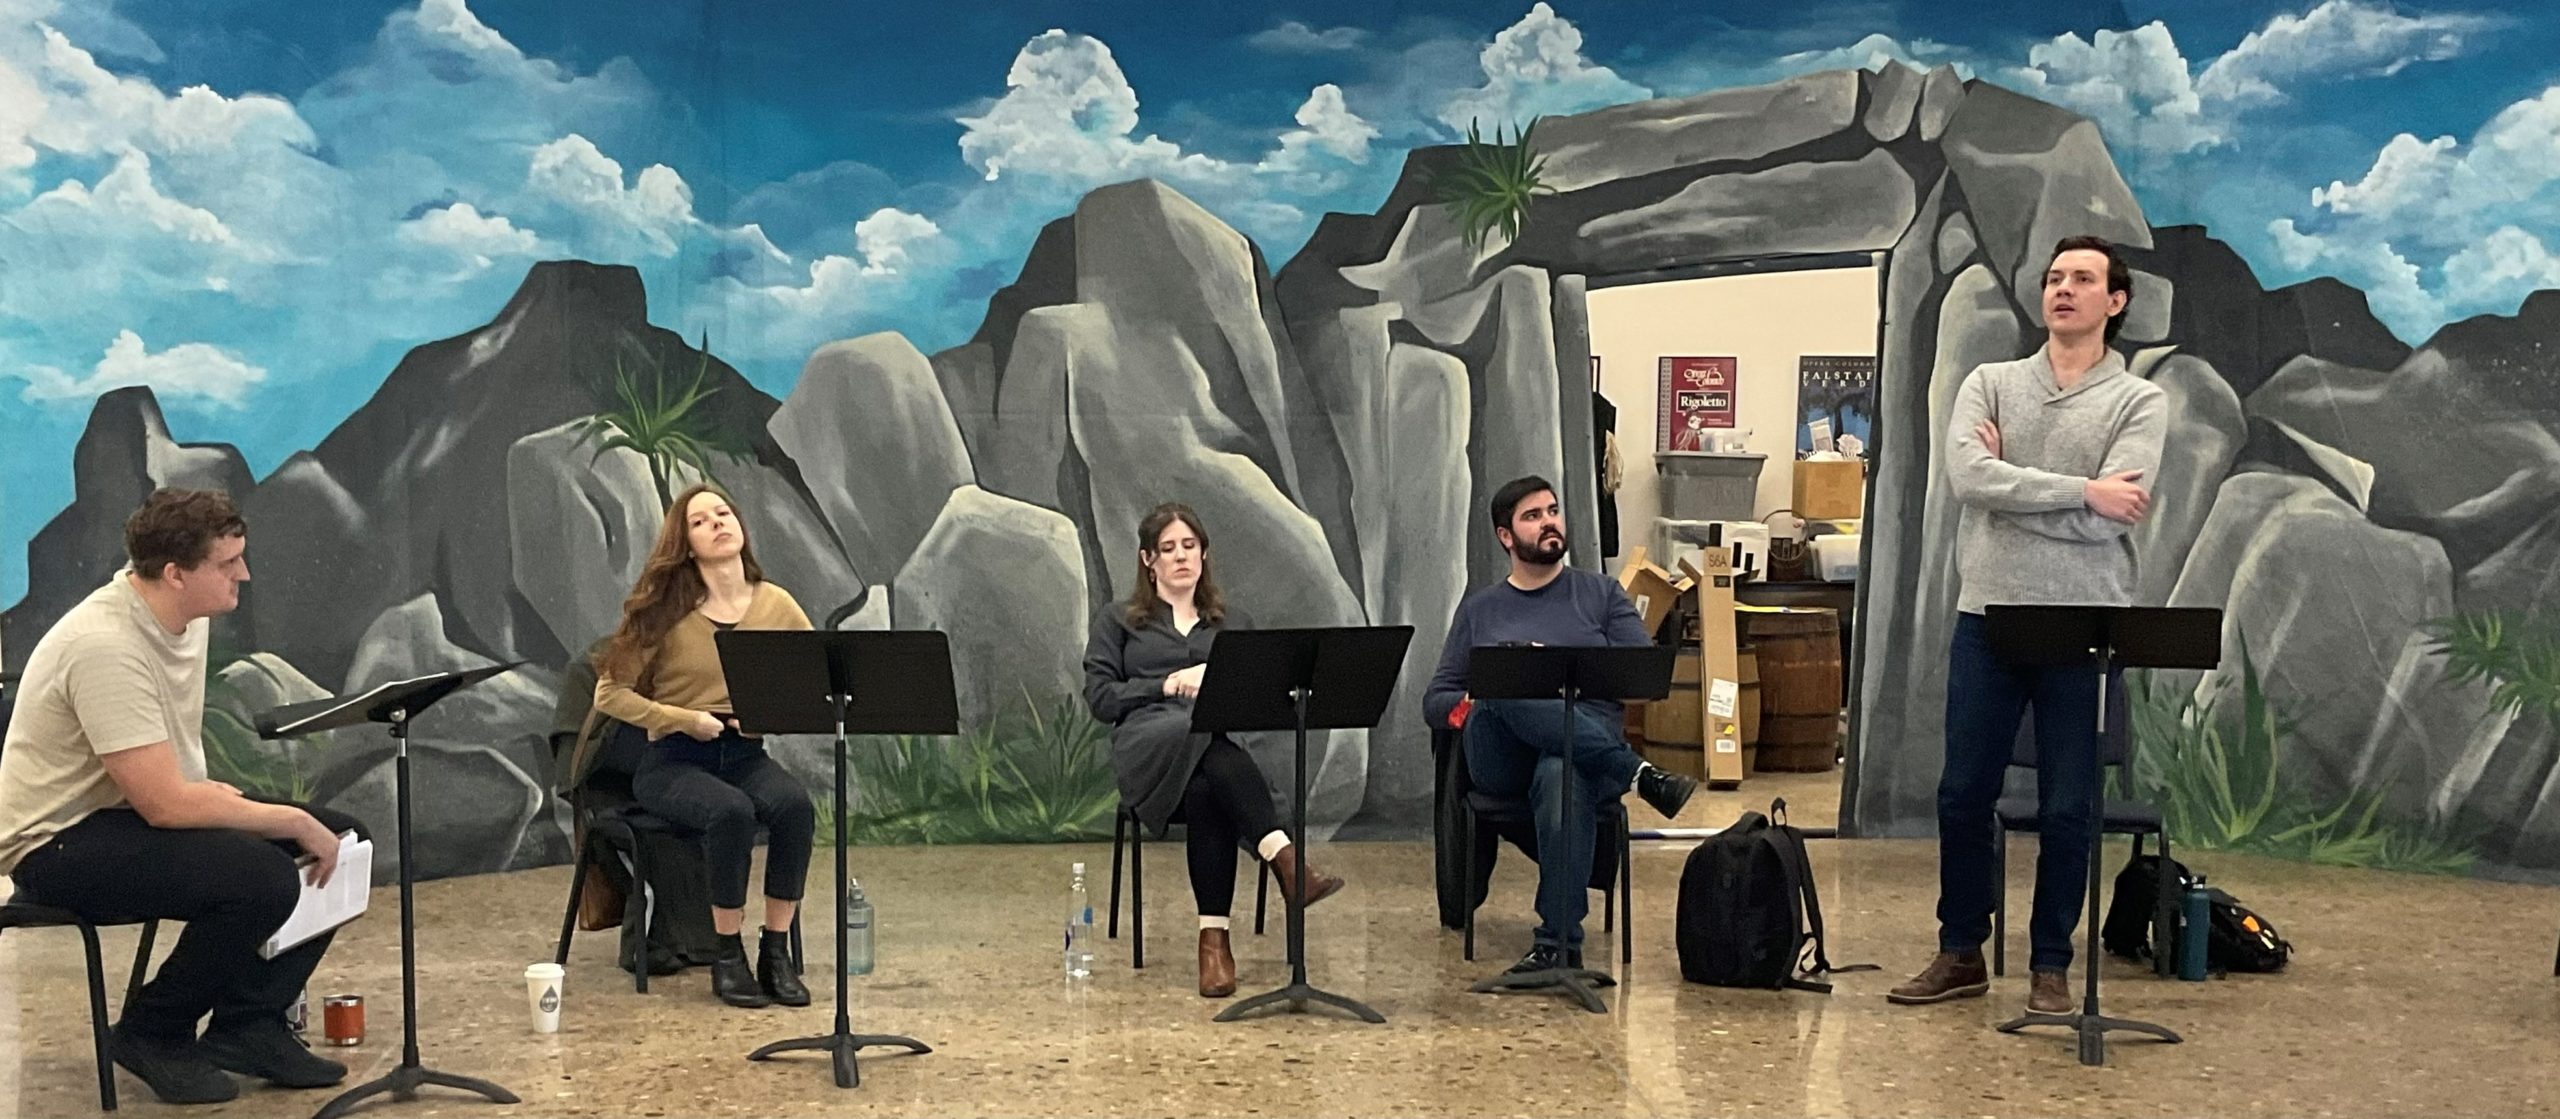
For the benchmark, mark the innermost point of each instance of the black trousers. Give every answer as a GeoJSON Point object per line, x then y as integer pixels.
{"type": "Point", "coordinates": [1226, 806]}
{"type": "Point", "coordinates": [724, 788]}
{"type": "Point", "coordinates": [232, 888]}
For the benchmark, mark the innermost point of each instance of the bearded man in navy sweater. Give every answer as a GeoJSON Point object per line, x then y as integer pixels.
{"type": "Point", "coordinates": [1516, 747]}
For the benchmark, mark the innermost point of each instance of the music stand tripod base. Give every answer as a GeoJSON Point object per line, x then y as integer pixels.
{"type": "Point", "coordinates": [403, 1082]}
{"type": "Point", "coordinates": [1299, 680]}
{"type": "Point", "coordinates": [2105, 639]}
{"type": "Point", "coordinates": [805, 682]}
{"type": "Point", "coordinates": [1296, 996]}
{"type": "Point", "coordinates": [396, 704]}
{"type": "Point", "coordinates": [1576, 981]}
{"type": "Point", "coordinates": [2092, 1029]}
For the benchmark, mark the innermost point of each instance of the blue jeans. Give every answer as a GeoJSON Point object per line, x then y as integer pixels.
{"type": "Point", "coordinates": [1515, 749]}
{"type": "Point", "coordinates": [1986, 698]}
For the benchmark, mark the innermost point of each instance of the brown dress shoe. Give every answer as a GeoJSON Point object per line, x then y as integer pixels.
{"type": "Point", "coordinates": [1217, 965]}
{"type": "Point", "coordinates": [1952, 975]}
{"type": "Point", "coordinates": [1319, 884]}
{"type": "Point", "coordinates": [2049, 992]}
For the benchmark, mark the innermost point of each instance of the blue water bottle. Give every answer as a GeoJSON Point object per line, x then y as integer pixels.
{"type": "Point", "coordinates": [2196, 919]}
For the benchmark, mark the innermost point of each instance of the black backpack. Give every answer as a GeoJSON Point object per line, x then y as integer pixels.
{"type": "Point", "coordinates": [1749, 916]}
{"type": "Point", "coordinates": [2236, 937]}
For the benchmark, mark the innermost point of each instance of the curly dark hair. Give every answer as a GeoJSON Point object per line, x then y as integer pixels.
{"type": "Point", "coordinates": [179, 526]}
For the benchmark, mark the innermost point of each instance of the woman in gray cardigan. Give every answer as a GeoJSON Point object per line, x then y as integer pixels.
{"type": "Point", "coordinates": [1142, 670]}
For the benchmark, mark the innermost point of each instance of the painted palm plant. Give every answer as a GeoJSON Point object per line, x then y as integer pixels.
{"type": "Point", "coordinates": [1493, 183]}
{"type": "Point", "coordinates": [1040, 775]}
{"type": "Point", "coordinates": [2516, 655]}
{"type": "Point", "coordinates": [663, 422]}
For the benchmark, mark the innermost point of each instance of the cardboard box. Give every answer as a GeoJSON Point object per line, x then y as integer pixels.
{"type": "Point", "coordinates": [1831, 490]}
{"type": "Point", "coordinates": [1720, 669]}
{"type": "Point", "coordinates": [1654, 591]}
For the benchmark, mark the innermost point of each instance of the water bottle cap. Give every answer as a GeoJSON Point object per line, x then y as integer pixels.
{"type": "Point", "coordinates": [1079, 868]}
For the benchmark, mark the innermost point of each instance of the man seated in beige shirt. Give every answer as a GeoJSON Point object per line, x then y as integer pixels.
{"type": "Point", "coordinates": [105, 811]}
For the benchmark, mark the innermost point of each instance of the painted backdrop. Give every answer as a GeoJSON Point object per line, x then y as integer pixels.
{"type": "Point", "coordinates": [452, 295]}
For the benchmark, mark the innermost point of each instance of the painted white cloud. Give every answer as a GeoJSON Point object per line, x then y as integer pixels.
{"type": "Point", "coordinates": [2450, 192]}
{"type": "Point", "coordinates": [1326, 127]}
{"type": "Point", "coordinates": [1536, 67]}
{"type": "Point", "coordinates": [2340, 38]}
{"type": "Point", "coordinates": [1295, 37]}
{"type": "Point", "coordinates": [2134, 84]}
{"type": "Point", "coordinates": [2496, 273]}
{"type": "Point", "coordinates": [476, 238]}
{"type": "Point", "coordinates": [1873, 52]}
{"type": "Point", "coordinates": [125, 195]}
{"type": "Point", "coordinates": [887, 237]}
{"type": "Point", "coordinates": [657, 206]}
{"type": "Point", "coordinates": [190, 372]}
{"type": "Point", "coordinates": [1069, 113]}
{"type": "Point", "coordinates": [2391, 283]}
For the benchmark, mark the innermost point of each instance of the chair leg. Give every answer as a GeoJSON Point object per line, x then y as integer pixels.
{"type": "Point", "coordinates": [577, 892]}
{"type": "Point", "coordinates": [1261, 892]}
{"type": "Point", "coordinates": [1119, 832]}
{"type": "Point", "coordinates": [1137, 898]}
{"type": "Point", "coordinates": [141, 961]}
{"type": "Point", "coordinates": [636, 912]}
{"type": "Point", "coordinates": [1467, 832]}
{"type": "Point", "coordinates": [1999, 900]}
{"type": "Point", "coordinates": [1626, 894]}
{"type": "Point", "coordinates": [798, 959]}
{"type": "Point", "coordinates": [98, 1017]}
{"type": "Point", "coordinates": [2163, 915]}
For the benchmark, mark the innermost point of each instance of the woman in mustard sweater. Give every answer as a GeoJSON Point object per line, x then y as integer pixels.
{"type": "Point", "coordinates": [660, 675]}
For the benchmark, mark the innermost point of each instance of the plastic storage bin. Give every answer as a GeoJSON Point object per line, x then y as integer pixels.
{"type": "Point", "coordinates": [1708, 486]}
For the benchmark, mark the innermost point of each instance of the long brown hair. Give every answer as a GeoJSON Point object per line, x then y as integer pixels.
{"type": "Point", "coordinates": [670, 586]}
{"type": "Point", "coordinates": [1143, 602]}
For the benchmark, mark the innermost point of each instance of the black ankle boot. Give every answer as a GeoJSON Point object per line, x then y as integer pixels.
{"type": "Point", "coordinates": [775, 973]}
{"type": "Point", "coordinates": [733, 980]}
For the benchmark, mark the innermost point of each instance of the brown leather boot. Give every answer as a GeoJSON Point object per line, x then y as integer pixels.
{"type": "Point", "coordinates": [1319, 884]}
{"type": "Point", "coordinates": [1952, 975]}
{"type": "Point", "coordinates": [1217, 965]}
{"type": "Point", "coordinates": [2049, 992]}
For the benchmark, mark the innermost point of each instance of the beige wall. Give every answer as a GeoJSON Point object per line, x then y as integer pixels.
{"type": "Point", "coordinates": [1765, 321]}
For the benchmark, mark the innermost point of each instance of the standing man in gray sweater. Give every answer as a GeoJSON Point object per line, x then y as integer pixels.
{"type": "Point", "coordinates": [2052, 458]}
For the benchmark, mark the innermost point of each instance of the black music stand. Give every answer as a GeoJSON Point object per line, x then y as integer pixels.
{"type": "Point", "coordinates": [397, 704]}
{"type": "Point", "coordinates": [804, 682]}
{"type": "Point", "coordinates": [1301, 680]}
{"type": "Point", "coordinates": [2104, 638]}
{"type": "Point", "coordinates": [1572, 673]}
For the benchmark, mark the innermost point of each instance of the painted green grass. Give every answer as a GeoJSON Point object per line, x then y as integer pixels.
{"type": "Point", "coordinates": [2219, 776]}
{"type": "Point", "coordinates": [1040, 775]}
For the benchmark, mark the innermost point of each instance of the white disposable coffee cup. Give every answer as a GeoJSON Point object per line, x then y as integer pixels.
{"type": "Point", "coordinates": [542, 996]}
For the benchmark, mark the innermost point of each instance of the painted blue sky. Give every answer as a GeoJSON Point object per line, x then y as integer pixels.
{"type": "Point", "coordinates": [256, 206]}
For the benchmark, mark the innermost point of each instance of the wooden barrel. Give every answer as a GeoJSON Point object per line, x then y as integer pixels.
{"type": "Point", "coordinates": [1800, 688]}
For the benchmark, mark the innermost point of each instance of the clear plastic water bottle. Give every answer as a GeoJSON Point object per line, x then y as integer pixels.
{"type": "Point", "coordinates": [1079, 938]}
{"type": "Point", "coordinates": [857, 929]}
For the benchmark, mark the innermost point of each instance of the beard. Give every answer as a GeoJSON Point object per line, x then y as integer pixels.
{"type": "Point", "coordinates": [1547, 549]}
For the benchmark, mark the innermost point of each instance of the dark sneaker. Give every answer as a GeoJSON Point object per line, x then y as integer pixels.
{"type": "Point", "coordinates": [1541, 957]}
{"type": "Point", "coordinates": [267, 1050]}
{"type": "Point", "coordinates": [171, 1068]}
{"type": "Point", "coordinates": [1952, 975]}
{"type": "Point", "coordinates": [1667, 792]}
{"type": "Point", "coordinates": [2049, 992]}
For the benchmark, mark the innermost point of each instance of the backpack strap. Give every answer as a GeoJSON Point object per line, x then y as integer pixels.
{"type": "Point", "coordinates": [1789, 844]}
